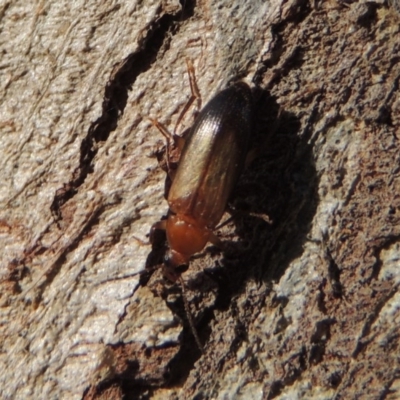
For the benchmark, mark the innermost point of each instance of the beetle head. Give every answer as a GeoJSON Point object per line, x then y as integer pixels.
{"type": "Point", "coordinates": [175, 264]}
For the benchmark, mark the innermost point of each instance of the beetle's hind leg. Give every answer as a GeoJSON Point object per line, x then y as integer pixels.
{"type": "Point", "coordinates": [195, 94]}
{"type": "Point", "coordinates": [176, 142]}
{"type": "Point", "coordinates": [174, 147]}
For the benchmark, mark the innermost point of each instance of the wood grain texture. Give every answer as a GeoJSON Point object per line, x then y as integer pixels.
{"type": "Point", "coordinates": [306, 306]}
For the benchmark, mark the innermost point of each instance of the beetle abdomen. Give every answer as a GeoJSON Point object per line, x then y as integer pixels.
{"type": "Point", "coordinates": [213, 157]}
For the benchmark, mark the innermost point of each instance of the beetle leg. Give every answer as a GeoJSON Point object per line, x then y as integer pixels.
{"type": "Point", "coordinates": [140, 241]}
{"type": "Point", "coordinates": [193, 84]}
{"type": "Point", "coordinates": [264, 217]}
{"type": "Point", "coordinates": [235, 211]}
{"type": "Point", "coordinates": [174, 142]}
{"type": "Point", "coordinates": [163, 130]}
{"type": "Point", "coordinates": [195, 94]}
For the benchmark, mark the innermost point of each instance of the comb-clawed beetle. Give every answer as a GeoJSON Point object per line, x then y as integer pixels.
{"type": "Point", "coordinates": [212, 159]}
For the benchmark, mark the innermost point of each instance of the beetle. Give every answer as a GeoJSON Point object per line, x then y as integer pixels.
{"type": "Point", "coordinates": [211, 161]}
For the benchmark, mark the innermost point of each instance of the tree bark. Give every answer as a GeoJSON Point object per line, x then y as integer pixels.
{"type": "Point", "coordinates": [301, 301]}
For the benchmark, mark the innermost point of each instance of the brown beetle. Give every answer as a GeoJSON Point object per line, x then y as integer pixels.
{"type": "Point", "coordinates": [212, 159]}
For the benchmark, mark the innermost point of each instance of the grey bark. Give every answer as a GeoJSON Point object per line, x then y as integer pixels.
{"type": "Point", "coordinates": [302, 302]}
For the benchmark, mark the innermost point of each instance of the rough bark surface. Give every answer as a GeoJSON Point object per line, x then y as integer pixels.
{"type": "Point", "coordinates": [303, 306]}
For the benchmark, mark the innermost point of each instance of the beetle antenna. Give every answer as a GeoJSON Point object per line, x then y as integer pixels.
{"type": "Point", "coordinates": [189, 316]}
{"type": "Point", "coordinates": [127, 276]}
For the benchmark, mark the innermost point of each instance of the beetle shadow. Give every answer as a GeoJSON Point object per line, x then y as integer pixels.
{"type": "Point", "coordinates": [280, 185]}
